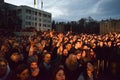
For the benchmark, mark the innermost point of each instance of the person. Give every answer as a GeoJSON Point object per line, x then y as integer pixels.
{"type": "Point", "coordinates": [22, 72]}
{"type": "Point", "coordinates": [5, 72]}
{"type": "Point", "coordinates": [15, 58]}
{"type": "Point", "coordinates": [46, 67]}
{"type": "Point", "coordinates": [88, 72]}
{"type": "Point", "coordinates": [72, 69]}
{"type": "Point", "coordinates": [59, 74]}
{"type": "Point", "coordinates": [34, 68]}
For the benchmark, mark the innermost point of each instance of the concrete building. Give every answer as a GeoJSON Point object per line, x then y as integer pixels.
{"type": "Point", "coordinates": [60, 27]}
{"type": "Point", "coordinates": [109, 26]}
{"type": "Point", "coordinates": [32, 17]}
{"type": "Point", "coordinates": [21, 17]}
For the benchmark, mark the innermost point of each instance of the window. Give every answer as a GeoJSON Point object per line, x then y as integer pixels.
{"type": "Point", "coordinates": [49, 16]}
{"type": "Point", "coordinates": [19, 10]}
{"type": "Point", "coordinates": [29, 23]}
{"type": "Point", "coordinates": [28, 11]}
{"type": "Point", "coordinates": [35, 19]}
{"type": "Point", "coordinates": [39, 19]}
{"type": "Point", "coordinates": [35, 13]}
{"type": "Point", "coordinates": [44, 25]}
{"type": "Point", "coordinates": [48, 25]}
{"type": "Point", "coordinates": [35, 24]}
{"type": "Point", "coordinates": [44, 15]}
{"type": "Point", "coordinates": [39, 14]}
{"type": "Point", "coordinates": [39, 24]}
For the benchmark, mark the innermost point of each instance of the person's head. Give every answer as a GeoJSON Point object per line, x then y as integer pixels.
{"type": "Point", "coordinates": [68, 46]}
{"type": "Point", "coordinates": [109, 43]}
{"type": "Point", "coordinates": [46, 57]}
{"type": "Point", "coordinates": [39, 47]}
{"type": "Point", "coordinates": [65, 52]}
{"type": "Point", "coordinates": [43, 42]}
{"type": "Point", "coordinates": [3, 67]}
{"type": "Point", "coordinates": [3, 48]}
{"type": "Point", "coordinates": [83, 54]}
{"type": "Point", "coordinates": [86, 47]}
{"type": "Point", "coordinates": [59, 74]}
{"type": "Point", "coordinates": [89, 66]}
{"type": "Point", "coordinates": [22, 72]}
{"type": "Point", "coordinates": [33, 65]}
{"type": "Point", "coordinates": [32, 62]}
{"type": "Point", "coordinates": [78, 54]}
{"type": "Point", "coordinates": [14, 57]}
{"type": "Point", "coordinates": [72, 59]}
{"type": "Point", "coordinates": [101, 44]}
{"type": "Point", "coordinates": [78, 44]}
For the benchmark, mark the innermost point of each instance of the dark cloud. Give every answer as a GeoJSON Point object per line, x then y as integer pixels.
{"type": "Point", "coordinates": [110, 7]}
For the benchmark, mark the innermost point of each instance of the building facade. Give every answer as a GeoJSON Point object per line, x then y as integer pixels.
{"type": "Point", "coordinates": [109, 26]}
{"type": "Point", "coordinates": [22, 17]}
{"type": "Point", "coordinates": [32, 17]}
{"type": "Point", "coordinates": [60, 27]}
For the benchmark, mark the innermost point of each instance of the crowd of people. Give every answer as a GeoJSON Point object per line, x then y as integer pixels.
{"type": "Point", "coordinates": [49, 55]}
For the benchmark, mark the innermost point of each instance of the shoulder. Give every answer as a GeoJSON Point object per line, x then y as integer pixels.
{"type": "Point", "coordinates": [81, 77]}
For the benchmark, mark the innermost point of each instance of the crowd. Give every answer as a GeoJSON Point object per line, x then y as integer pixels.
{"type": "Point", "coordinates": [60, 56]}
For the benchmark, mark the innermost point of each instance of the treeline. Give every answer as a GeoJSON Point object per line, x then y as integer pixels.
{"type": "Point", "coordinates": [84, 25]}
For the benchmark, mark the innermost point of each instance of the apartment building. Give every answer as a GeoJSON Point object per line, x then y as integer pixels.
{"type": "Point", "coordinates": [21, 17]}
{"type": "Point", "coordinates": [109, 26]}
{"type": "Point", "coordinates": [32, 17]}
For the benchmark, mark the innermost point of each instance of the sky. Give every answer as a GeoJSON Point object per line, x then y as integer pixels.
{"type": "Point", "coordinates": [74, 10]}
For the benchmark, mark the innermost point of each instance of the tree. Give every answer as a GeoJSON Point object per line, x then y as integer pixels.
{"type": "Point", "coordinates": [53, 25]}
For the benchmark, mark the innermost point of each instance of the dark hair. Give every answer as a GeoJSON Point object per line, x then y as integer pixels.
{"type": "Point", "coordinates": [31, 59]}
{"type": "Point", "coordinates": [3, 59]}
{"type": "Point", "coordinates": [21, 68]}
{"type": "Point", "coordinates": [45, 53]}
{"type": "Point", "coordinates": [78, 51]}
{"type": "Point", "coordinates": [84, 70]}
{"type": "Point", "coordinates": [56, 71]}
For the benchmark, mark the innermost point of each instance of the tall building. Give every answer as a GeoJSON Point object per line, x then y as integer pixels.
{"type": "Point", "coordinates": [109, 26]}
{"type": "Point", "coordinates": [32, 17]}
{"type": "Point", "coordinates": [2, 11]}
{"type": "Point", "coordinates": [21, 17]}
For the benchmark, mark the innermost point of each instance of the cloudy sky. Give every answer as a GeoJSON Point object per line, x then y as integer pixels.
{"type": "Point", "coordinates": [74, 10]}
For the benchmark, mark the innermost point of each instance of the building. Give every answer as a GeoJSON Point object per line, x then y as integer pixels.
{"type": "Point", "coordinates": [8, 16]}
{"type": "Point", "coordinates": [60, 27]}
{"type": "Point", "coordinates": [22, 17]}
{"type": "Point", "coordinates": [32, 17]}
{"type": "Point", "coordinates": [109, 26]}
{"type": "Point", "coordinates": [2, 13]}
